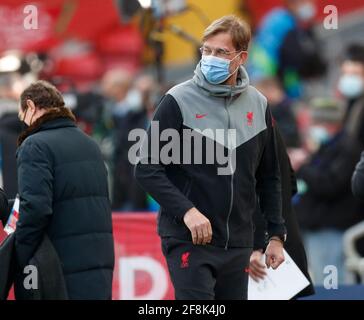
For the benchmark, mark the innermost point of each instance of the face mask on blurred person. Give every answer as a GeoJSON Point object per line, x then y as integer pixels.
{"type": "Point", "coordinates": [21, 118]}
{"type": "Point", "coordinates": [319, 135]}
{"type": "Point", "coordinates": [216, 70]}
{"type": "Point", "coordinates": [134, 100]}
{"type": "Point", "coordinates": [306, 12]}
{"type": "Point", "coordinates": [351, 86]}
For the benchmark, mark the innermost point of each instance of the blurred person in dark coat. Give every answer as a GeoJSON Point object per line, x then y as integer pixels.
{"type": "Point", "coordinates": [357, 187]}
{"type": "Point", "coordinates": [10, 128]}
{"type": "Point", "coordinates": [352, 83]}
{"type": "Point", "coordinates": [357, 181]}
{"type": "Point", "coordinates": [351, 87]}
{"type": "Point", "coordinates": [114, 87]}
{"type": "Point", "coordinates": [282, 110]}
{"type": "Point", "coordinates": [63, 194]}
{"type": "Point", "coordinates": [128, 195]}
{"type": "Point", "coordinates": [327, 207]}
{"type": "Point", "coordinates": [286, 46]}
{"type": "Point", "coordinates": [294, 243]}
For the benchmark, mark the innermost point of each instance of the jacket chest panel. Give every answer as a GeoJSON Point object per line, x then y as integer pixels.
{"type": "Point", "coordinates": [230, 126]}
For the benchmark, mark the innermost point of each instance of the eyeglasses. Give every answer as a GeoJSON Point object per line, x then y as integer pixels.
{"type": "Point", "coordinates": [219, 52]}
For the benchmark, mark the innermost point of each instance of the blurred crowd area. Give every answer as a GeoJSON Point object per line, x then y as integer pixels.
{"type": "Point", "coordinates": [312, 77]}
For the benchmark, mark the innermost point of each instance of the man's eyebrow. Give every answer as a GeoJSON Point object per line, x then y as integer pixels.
{"type": "Point", "coordinates": [217, 48]}
{"type": "Point", "coordinates": [226, 49]}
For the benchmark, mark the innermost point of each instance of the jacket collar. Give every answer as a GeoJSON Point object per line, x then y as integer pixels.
{"type": "Point", "coordinates": [54, 118]}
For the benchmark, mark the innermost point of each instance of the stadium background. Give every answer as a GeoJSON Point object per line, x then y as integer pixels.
{"type": "Point", "coordinates": [85, 38]}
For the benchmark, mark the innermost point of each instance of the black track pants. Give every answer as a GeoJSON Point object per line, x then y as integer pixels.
{"type": "Point", "coordinates": [206, 272]}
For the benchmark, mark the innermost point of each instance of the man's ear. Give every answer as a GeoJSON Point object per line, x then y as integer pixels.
{"type": "Point", "coordinates": [243, 57]}
{"type": "Point", "coordinates": [31, 105]}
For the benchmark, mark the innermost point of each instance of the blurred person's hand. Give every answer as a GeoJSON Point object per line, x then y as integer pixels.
{"type": "Point", "coordinates": [256, 267]}
{"type": "Point", "coordinates": [298, 157]}
{"type": "Point", "coordinates": [199, 226]}
{"type": "Point", "coordinates": [274, 253]}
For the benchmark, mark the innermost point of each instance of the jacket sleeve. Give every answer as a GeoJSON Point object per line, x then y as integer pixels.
{"type": "Point", "coordinates": [4, 209]}
{"type": "Point", "coordinates": [260, 230]}
{"type": "Point", "coordinates": [269, 182]}
{"type": "Point", "coordinates": [151, 173]}
{"type": "Point", "coordinates": [35, 183]}
{"type": "Point", "coordinates": [293, 179]}
{"type": "Point", "coordinates": [338, 170]}
{"type": "Point", "coordinates": [301, 51]}
{"type": "Point", "coordinates": [357, 181]}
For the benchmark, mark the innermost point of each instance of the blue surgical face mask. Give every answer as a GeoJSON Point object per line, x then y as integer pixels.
{"type": "Point", "coordinates": [216, 70]}
{"type": "Point", "coordinates": [306, 12]}
{"type": "Point", "coordinates": [134, 100]}
{"type": "Point", "coordinates": [351, 86]}
{"type": "Point", "coordinates": [319, 134]}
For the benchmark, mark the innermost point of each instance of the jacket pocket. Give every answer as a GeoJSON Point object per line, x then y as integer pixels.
{"type": "Point", "coordinates": [169, 244]}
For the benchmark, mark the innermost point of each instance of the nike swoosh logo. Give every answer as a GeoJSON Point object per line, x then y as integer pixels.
{"type": "Point", "coordinates": [200, 116]}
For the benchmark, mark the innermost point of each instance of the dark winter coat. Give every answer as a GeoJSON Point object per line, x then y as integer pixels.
{"type": "Point", "coordinates": [47, 281]}
{"type": "Point", "coordinates": [10, 128]}
{"type": "Point", "coordinates": [357, 181]}
{"type": "Point", "coordinates": [64, 195]}
{"type": "Point", "coordinates": [127, 192]}
{"type": "Point", "coordinates": [328, 201]}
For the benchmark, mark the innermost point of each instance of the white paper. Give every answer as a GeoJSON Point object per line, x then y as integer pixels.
{"type": "Point", "coordinates": [13, 218]}
{"type": "Point", "coordinates": [280, 284]}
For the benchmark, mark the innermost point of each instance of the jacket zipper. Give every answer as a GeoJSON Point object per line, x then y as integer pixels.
{"type": "Point", "coordinates": [232, 177]}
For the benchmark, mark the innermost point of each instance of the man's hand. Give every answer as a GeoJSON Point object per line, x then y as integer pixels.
{"type": "Point", "coordinates": [256, 267]}
{"type": "Point", "coordinates": [199, 226]}
{"type": "Point", "coordinates": [274, 253]}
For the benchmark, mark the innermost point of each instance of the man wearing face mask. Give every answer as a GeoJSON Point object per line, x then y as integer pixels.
{"type": "Point", "coordinates": [205, 220]}
{"type": "Point", "coordinates": [328, 207]}
{"type": "Point", "coordinates": [64, 195]}
{"type": "Point", "coordinates": [351, 87]}
{"type": "Point", "coordinates": [285, 46]}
